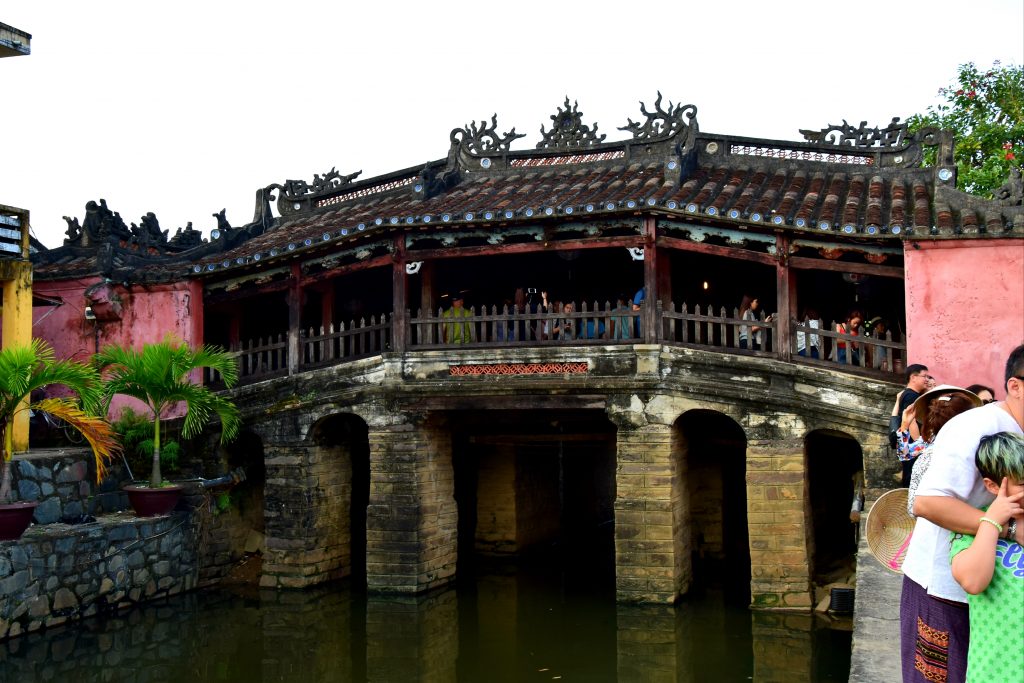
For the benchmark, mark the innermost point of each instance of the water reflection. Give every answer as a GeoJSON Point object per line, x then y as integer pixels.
{"type": "Point", "coordinates": [515, 626]}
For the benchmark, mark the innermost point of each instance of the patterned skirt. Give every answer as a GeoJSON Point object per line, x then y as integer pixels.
{"type": "Point", "coordinates": [934, 635]}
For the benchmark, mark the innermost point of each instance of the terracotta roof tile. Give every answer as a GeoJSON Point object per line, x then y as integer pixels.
{"type": "Point", "coordinates": [922, 210]}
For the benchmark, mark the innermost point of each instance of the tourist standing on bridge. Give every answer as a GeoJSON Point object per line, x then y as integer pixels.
{"type": "Point", "coordinates": [934, 623]}
{"type": "Point", "coordinates": [750, 335]}
{"type": "Point", "coordinates": [456, 329]}
{"type": "Point", "coordinates": [847, 351]}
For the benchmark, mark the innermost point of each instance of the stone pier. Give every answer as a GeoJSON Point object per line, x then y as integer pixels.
{"type": "Point", "coordinates": [411, 534]}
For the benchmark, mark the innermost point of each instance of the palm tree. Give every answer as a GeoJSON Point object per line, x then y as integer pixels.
{"type": "Point", "coordinates": [159, 376]}
{"type": "Point", "coordinates": [26, 368]}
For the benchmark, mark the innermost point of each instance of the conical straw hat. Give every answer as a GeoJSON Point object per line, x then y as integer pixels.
{"type": "Point", "coordinates": [889, 528]}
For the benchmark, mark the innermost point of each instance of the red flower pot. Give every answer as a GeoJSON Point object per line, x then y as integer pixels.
{"type": "Point", "coordinates": [15, 518]}
{"type": "Point", "coordinates": [149, 502]}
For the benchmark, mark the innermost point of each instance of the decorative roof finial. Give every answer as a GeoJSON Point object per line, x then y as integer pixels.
{"type": "Point", "coordinates": [568, 130]}
{"type": "Point", "coordinates": [893, 135]}
{"type": "Point", "coordinates": [663, 124]}
{"type": "Point", "coordinates": [484, 140]}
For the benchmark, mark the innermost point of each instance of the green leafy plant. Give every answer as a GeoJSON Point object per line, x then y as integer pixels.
{"type": "Point", "coordinates": [136, 433]}
{"type": "Point", "coordinates": [160, 375]}
{"type": "Point", "coordinates": [985, 111]}
{"type": "Point", "coordinates": [26, 368]}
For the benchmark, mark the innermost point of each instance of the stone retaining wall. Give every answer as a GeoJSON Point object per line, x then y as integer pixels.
{"type": "Point", "coordinates": [59, 572]}
{"type": "Point", "coordinates": [64, 483]}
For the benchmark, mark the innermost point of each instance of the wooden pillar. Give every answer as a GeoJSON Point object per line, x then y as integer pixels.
{"type": "Point", "coordinates": [648, 316]}
{"type": "Point", "coordinates": [235, 330]}
{"type": "Point", "coordinates": [428, 300]}
{"type": "Point", "coordinates": [327, 305]}
{"type": "Point", "coordinates": [294, 318]}
{"type": "Point", "coordinates": [399, 298]}
{"type": "Point", "coordinates": [17, 327]}
{"type": "Point", "coordinates": [785, 306]}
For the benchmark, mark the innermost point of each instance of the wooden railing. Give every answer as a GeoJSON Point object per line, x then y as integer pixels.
{"type": "Point", "coordinates": [812, 342]}
{"type": "Point", "coordinates": [358, 339]}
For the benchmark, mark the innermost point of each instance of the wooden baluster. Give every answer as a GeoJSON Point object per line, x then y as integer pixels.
{"type": "Point", "coordinates": [723, 329]}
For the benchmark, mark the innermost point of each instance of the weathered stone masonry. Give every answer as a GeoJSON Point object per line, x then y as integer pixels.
{"type": "Point", "coordinates": [56, 572]}
{"type": "Point", "coordinates": [412, 518]}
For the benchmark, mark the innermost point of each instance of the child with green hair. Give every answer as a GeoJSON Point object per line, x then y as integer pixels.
{"type": "Point", "coordinates": [991, 569]}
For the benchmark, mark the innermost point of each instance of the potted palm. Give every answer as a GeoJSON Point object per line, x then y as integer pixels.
{"type": "Point", "coordinates": [160, 376]}
{"type": "Point", "coordinates": [23, 370]}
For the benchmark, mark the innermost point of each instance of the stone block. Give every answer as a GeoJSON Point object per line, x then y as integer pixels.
{"type": "Point", "coordinates": [14, 583]}
{"type": "Point", "coordinates": [64, 599]}
{"type": "Point", "coordinates": [74, 472]}
{"type": "Point", "coordinates": [48, 511]}
{"type": "Point", "coordinates": [28, 490]}
{"type": "Point", "coordinates": [38, 607]}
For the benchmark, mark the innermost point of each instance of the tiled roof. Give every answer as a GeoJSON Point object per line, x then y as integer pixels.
{"type": "Point", "coordinates": [876, 193]}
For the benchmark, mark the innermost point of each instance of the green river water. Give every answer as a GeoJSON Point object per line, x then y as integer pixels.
{"type": "Point", "coordinates": [504, 624]}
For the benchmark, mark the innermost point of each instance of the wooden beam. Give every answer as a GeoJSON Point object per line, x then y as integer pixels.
{"type": "Point", "coordinates": [804, 263]}
{"type": "Point", "coordinates": [715, 250]}
{"type": "Point", "coordinates": [495, 250]}
{"type": "Point", "coordinates": [375, 262]}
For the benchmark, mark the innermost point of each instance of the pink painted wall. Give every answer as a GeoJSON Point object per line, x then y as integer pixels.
{"type": "Point", "coordinates": [965, 308]}
{"type": "Point", "coordinates": [148, 314]}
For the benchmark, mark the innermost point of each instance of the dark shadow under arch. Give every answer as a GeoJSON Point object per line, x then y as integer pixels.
{"type": "Point", "coordinates": [832, 462]}
{"type": "Point", "coordinates": [536, 485]}
{"type": "Point", "coordinates": [344, 440]}
{"type": "Point", "coordinates": [713, 449]}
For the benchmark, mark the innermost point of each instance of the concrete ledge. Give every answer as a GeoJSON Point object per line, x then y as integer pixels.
{"type": "Point", "coordinates": [876, 621]}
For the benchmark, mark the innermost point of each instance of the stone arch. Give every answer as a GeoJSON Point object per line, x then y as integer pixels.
{"type": "Point", "coordinates": [535, 484]}
{"type": "Point", "coordinates": [246, 452]}
{"type": "Point", "coordinates": [339, 483]}
{"type": "Point", "coordinates": [834, 470]}
{"type": "Point", "coordinates": [710, 448]}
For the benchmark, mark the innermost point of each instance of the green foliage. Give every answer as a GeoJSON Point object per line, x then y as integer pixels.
{"type": "Point", "coordinates": [136, 434]}
{"type": "Point", "coordinates": [28, 367]}
{"type": "Point", "coordinates": [985, 111]}
{"type": "Point", "coordinates": [160, 375]}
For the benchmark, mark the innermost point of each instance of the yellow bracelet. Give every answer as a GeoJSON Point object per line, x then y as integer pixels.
{"type": "Point", "coordinates": [993, 523]}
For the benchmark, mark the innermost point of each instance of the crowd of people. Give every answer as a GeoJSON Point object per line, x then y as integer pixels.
{"type": "Point", "coordinates": [562, 322]}
{"type": "Point", "coordinates": [623, 321]}
{"type": "Point", "coordinates": [962, 451]}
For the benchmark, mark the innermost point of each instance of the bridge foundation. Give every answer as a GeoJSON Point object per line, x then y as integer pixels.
{"type": "Point", "coordinates": [777, 523]}
{"type": "Point", "coordinates": [652, 543]}
{"type": "Point", "coordinates": [411, 520]}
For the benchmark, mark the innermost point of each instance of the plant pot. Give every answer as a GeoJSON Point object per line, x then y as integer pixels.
{"type": "Point", "coordinates": [149, 502]}
{"type": "Point", "coordinates": [15, 518]}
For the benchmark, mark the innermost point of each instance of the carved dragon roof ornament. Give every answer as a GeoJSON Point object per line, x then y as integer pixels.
{"type": "Point", "coordinates": [898, 146]}
{"type": "Point", "coordinates": [297, 195]}
{"type": "Point", "coordinates": [483, 140]}
{"type": "Point", "coordinates": [661, 124]}
{"type": "Point", "coordinates": [893, 135]}
{"type": "Point", "coordinates": [1011, 193]}
{"type": "Point", "coordinates": [329, 182]}
{"type": "Point", "coordinates": [568, 130]}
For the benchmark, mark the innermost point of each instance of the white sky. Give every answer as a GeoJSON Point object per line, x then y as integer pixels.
{"type": "Point", "coordinates": [183, 108]}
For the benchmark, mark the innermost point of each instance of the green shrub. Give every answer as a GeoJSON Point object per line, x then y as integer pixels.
{"type": "Point", "coordinates": [136, 433]}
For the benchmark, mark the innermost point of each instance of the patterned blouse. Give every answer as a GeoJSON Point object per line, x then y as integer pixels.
{"type": "Point", "coordinates": [907, 448]}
